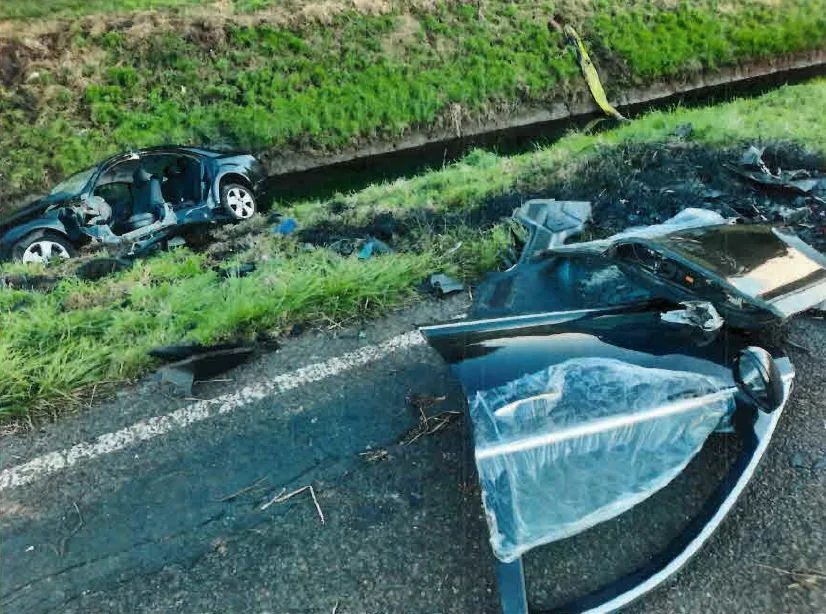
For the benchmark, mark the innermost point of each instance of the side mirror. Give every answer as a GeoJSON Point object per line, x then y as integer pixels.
{"type": "Point", "coordinates": [759, 378]}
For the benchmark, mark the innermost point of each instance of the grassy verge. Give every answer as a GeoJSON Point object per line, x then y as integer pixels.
{"type": "Point", "coordinates": [22, 9]}
{"type": "Point", "coordinates": [56, 347]}
{"type": "Point", "coordinates": [71, 98]}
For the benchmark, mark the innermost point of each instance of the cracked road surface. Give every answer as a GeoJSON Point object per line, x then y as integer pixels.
{"type": "Point", "coordinates": [172, 520]}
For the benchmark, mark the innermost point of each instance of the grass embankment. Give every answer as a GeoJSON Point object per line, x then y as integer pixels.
{"type": "Point", "coordinates": [56, 347]}
{"type": "Point", "coordinates": [328, 76]}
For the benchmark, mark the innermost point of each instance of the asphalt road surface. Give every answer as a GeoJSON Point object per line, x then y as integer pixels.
{"type": "Point", "coordinates": [170, 514]}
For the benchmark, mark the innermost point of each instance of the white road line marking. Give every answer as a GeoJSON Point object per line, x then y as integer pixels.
{"type": "Point", "coordinates": [150, 428]}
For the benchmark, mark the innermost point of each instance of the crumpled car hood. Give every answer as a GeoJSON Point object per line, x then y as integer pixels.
{"type": "Point", "coordinates": [591, 383]}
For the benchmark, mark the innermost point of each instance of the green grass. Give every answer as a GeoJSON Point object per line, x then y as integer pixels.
{"type": "Point", "coordinates": [796, 114]}
{"type": "Point", "coordinates": [359, 78]}
{"type": "Point", "coordinates": [24, 9]}
{"type": "Point", "coordinates": [56, 347]}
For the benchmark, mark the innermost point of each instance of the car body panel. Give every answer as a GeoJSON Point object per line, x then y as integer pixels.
{"type": "Point", "coordinates": [591, 383]}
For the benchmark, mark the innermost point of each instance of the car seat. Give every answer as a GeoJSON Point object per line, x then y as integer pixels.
{"type": "Point", "coordinates": [148, 199]}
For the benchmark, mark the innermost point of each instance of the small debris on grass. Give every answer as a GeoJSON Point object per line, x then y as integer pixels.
{"type": "Point", "coordinates": [374, 246]}
{"type": "Point", "coordinates": [798, 181]}
{"type": "Point", "coordinates": [444, 285]}
{"type": "Point", "coordinates": [335, 608]}
{"type": "Point", "coordinates": [96, 269]}
{"type": "Point", "coordinates": [821, 464]}
{"type": "Point", "coordinates": [285, 226]}
{"type": "Point", "coordinates": [281, 498]}
{"type": "Point", "coordinates": [240, 270]}
{"type": "Point", "coordinates": [455, 248]}
{"type": "Point", "coordinates": [753, 157]}
{"type": "Point", "coordinates": [683, 131]}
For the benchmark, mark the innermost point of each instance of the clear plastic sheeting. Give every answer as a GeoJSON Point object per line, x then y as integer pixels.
{"type": "Point", "coordinates": [563, 449]}
{"type": "Point", "coordinates": [688, 218]}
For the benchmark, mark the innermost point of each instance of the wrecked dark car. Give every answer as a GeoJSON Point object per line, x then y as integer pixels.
{"type": "Point", "coordinates": [595, 372]}
{"type": "Point", "coordinates": [134, 201]}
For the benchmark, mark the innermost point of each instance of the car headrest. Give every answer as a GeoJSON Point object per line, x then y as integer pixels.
{"type": "Point", "coordinates": [141, 176]}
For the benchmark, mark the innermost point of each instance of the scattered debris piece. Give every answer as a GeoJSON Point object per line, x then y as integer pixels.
{"type": "Point", "coordinates": [821, 464]}
{"type": "Point", "coordinates": [374, 246]}
{"type": "Point", "coordinates": [696, 313]}
{"type": "Point", "coordinates": [683, 131]}
{"type": "Point", "coordinates": [753, 158]}
{"type": "Point", "coordinates": [798, 181]}
{"type": "Point", "coordinates": [179, 352]}
{"type": "Point", "coordinates": [96, 269]}
{"type": "Point", "coordinates": [240, 270]}
{"type": "Point", "coordinates": [797, 460]}
{"type": "Point", "coordinates": [285, 226]}
{"type": "Point", "coordinates": [281, 498]}
{"type": "Point", "coordinates": [220, 546]}
{"type": "Point", "coordinates": [375, 456]}
{"type": "Point", "coordinates": [793, 216]}
{"type": "Point", "coordinates": [551, 223]}
{"type": "Point", "coordinates": [343, 247]}
{"type": "Point", "coordinates": [455, 248]}
{"type": "Point", "coordinates": [184, 373]}
{"type": "Point", "coordinates": [444, 285]}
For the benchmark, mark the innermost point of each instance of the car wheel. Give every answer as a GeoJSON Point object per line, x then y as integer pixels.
{"type": "Point", "coordinates": [238, 201]}
{"type": "Point", "coordinates": [42, 247]}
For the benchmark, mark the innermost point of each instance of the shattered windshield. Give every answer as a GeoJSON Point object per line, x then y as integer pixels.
{"type": "Point", "coordinates": [73, 185]}
{"type": "Point", "coordinates": [754, 259]}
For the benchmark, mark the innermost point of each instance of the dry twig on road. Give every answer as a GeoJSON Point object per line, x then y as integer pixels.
{"type": "Point", "coordinates": [281, 498]}
{"type": "Point", "coordinates": [254, 486]}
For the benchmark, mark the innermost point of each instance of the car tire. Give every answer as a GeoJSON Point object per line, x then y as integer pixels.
{"type": "Point", "coordinates": [42, 246]}
{"type": "Point", "coordinates": [238, 201]}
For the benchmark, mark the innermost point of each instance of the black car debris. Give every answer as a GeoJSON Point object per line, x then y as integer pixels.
{"type": "Point", "coordinates": [135, 201]}
{"type": "Point", "coordinates": [595, 372]}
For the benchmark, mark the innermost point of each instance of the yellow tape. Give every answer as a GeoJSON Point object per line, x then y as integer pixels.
{"type": "Point", "coordinates": [590, 73]}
